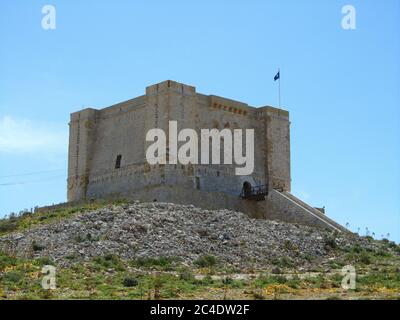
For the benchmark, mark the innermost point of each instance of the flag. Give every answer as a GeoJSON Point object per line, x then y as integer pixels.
{"type": "Point", "coordinates": [277, 76]}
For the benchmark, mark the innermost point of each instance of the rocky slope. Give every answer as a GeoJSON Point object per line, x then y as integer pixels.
{"type": "Point", "coordinates": [147, 230]}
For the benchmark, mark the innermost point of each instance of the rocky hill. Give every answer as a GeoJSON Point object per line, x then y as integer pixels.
{"type": "Point", "coordinates": [151, 230]}
{"type": "Point", "coordinates": [161, 251]}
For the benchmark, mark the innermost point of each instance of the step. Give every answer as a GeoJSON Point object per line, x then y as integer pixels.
{"type": "Point", "coordinates": [314, 212]}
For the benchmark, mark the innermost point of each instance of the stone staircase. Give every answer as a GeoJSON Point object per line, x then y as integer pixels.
{"type": "Point", "coordinates": [316, 213]}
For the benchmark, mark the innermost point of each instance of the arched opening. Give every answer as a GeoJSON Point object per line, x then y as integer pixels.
{"type": "Point", "coordinates": [246, 188]}
{"type": "Point", "coordinates": [255, 192]}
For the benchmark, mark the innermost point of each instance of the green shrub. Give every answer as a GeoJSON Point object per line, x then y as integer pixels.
{"type": "Point", "coordinates": [158, 283]}
{"type": "Point", "coordinates": [36, 246]}
{"type": "Point", "coordinates": [294, 282]}
{"type": "Point", "coordinates": [266, 280]}
{"type": "Point", "coordinates": [364, 258]}
{"type": "Point", "coordinates": [307, 257]}
{"type": "Point", "coordinates": [130, 282]}
{"type": "Point", "coordinates": [12, 277]}
{"type": "Point", "coordinates": [206, 261]}
{"type": "Point", "coordinates": [109, 261]}
{"type": "Point", "coordinates": [161, 262]}
{"type": "Point", "coordinates": [227, 281]}
{"type": "Point", "coordinates": [390, 280]}
{"type": "Point", "coordinates": [8, 225]}
{"type": "Point", "coordinates": [356, 248]}
{"type": "Point", "coordinates": [336, 280]}
{"type": "Point", "coordinates": [320, 281]}
{"type": "Point", "coordinates": [43, 261]}
{"type": "Point", "coordinates": [280, 279]}
{"type": "Point", "coordinates": [382, 253]}
{"type": "Point", "coordinates": [284, 262]}
{"type": "Point", "coordinates": [186, 275]}
{"type": "Point", "coordinates": [6, 261]}
{"type": "Point", "coordinates": [207, 280]}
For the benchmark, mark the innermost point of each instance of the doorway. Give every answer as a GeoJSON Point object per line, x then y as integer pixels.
{"type": "Point", "coordinates": [246, 188]}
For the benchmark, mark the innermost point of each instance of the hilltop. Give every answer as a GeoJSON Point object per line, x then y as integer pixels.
{"type": "Point", "coordinates": [136, 239]}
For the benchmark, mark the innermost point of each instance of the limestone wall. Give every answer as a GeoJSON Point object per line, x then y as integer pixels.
{"type": "Point", "coordinates": [81, 152]}
{"type": "Point", "coordinates": [97, 137]}
{"type": "Point", "coordinates": [278, 148]}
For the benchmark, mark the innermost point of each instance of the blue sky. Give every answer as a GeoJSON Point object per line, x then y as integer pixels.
{"type": "Point", "coordinates": [340, 86]}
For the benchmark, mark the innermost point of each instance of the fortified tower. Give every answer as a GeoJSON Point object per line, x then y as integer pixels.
{"type": "Point", "coordinates": [107, 155]}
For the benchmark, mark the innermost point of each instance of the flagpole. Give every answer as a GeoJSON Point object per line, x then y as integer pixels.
{"type": "Point", "coordinates": [279, 72]}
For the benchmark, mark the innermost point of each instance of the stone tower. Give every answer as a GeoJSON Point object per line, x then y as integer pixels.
{"type": "Point", "coordinates": [107, 149]}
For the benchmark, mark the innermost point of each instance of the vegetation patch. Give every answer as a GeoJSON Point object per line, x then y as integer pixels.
{"type": "Point", "coordinates": [109, 261]}
{"type": "Point", "coordinates": [206, 261]}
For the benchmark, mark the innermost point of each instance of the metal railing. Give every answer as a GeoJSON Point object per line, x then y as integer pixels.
{"type": "Point", "coordinates": [254, 193]}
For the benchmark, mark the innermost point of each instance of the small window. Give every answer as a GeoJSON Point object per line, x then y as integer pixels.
{"type": "Point", "coordinates": [118, 162]}
{"type": "Point", "coordinates": [198, 183]}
